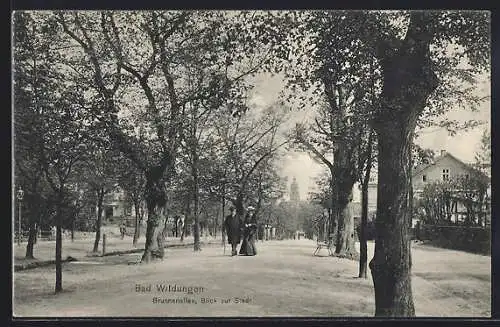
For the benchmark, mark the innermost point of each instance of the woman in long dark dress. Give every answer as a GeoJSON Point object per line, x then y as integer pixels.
{"type": "Point", "coordinates": [249, 233]}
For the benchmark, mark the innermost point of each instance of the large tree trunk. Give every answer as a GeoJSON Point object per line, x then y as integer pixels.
{"type": "Point", "coordinates": [345, 245]}
{"type": "Point", "coordinates": [58, 287]}
{"type": "Point", "coordinates": [223, 231]}
{"type": "Point", "coordinates": [59, 255]}
{"type": "Point", "coordinates": [197, 246]}
{"type": "Point", "coordinates": [343, 184]}
{"type": "Point", "coordinates": [156, 204]}
{"type": "Point", "coordinates": [100, 199]}
{"type": "Point", "coordinates": [137, 226]}
{"type": "Point", "coordinates": [33, 228]}
{"type": "Point", "coordinates": [150, 229]}
{"type": "Point", "coordinates": [184, 230]}
{"type": "Point", "coordinates": [408, 80]}
{"type": "Point", "coordinates": [332, 225]}
{"type": "Point", "coordinates": [154, 247]}
{"type": "Point", "coordinates": [363, 247]}
{"type": "Point", "coordinates": [391, 264]}
{"type": "Point", "coordinates": [73, 230]}
{"type": "Point", "coordinates": [332, 216]}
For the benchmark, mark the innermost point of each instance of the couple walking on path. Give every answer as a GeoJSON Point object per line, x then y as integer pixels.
{"type": "Point", "coordinates": [238, 229]}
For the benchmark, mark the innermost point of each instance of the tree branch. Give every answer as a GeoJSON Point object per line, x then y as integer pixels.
{"type": "Point", "coordinates": [316, 152]}
{"type": "Point", "coordinates": [264, 156]}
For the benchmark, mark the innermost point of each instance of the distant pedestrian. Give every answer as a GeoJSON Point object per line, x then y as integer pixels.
{"type": "Point", "coordinates": [233, 225]}
{"type": "Point", "coordinates": [123, 229]}
{"type": "Point", "coordinates": [53, 232]}
{"type": "Point", "coordinates": [249, 233]}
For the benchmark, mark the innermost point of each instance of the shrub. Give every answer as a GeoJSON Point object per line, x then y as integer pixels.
{"type": "Point", "coordinates": [464, 238]}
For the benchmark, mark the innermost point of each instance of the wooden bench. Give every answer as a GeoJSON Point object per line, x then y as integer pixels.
{"type": "Point", "coordinates": [325, 244]}
{"type": "Point", "coordinates": [46, 235]}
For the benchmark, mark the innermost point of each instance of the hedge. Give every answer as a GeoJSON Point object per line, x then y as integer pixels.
{"type": "Point", "coordinates": [464, 238]}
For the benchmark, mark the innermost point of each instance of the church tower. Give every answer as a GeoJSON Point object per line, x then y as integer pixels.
{"type": "Point", "coordinates": [294, 191]}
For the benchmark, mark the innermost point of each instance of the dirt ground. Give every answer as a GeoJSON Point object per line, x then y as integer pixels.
{"type": "Point", "coordinates": [284, 279]}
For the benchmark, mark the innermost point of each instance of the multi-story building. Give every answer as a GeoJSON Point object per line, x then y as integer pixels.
{"type": "Point", "coordinates": [115, 205]}
{"type": "Point", "coordinates": [442, 168]}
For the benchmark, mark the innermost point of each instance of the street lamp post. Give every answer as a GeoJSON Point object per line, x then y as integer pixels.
{"type": "Point", "coordinates": [20, 195]}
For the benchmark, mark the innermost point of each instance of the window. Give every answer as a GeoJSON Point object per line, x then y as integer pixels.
{"type": "Point", "coordinates": [424, 178]}
{"type": "Point", "coordinates": [446, 174]}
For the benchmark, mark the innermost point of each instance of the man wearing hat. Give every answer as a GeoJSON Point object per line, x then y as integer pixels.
{"type": "Point", "coordinates": [233, 225]}
{"type": "Point", "coordinates": [249, 232]}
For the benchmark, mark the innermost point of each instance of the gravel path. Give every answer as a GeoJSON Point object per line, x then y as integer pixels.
{"type": "Point", "coordinates": [284, 279]}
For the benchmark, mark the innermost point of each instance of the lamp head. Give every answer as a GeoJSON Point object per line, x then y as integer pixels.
{"type": "Point", "coordinates": [20, 194]}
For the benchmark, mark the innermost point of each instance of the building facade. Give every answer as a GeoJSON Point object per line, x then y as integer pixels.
{"type": "Point", "coordinates": [372, 197]}
{"type": "Point", "coordinates": [114, 205]}
{"type": "Point", "coordinates": [444, 167]}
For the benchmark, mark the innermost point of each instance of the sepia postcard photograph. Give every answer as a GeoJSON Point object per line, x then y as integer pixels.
{"type": "Point", "coordinates": [251, 163]}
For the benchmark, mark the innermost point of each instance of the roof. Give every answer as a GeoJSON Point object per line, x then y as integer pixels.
{"type": "Point", "coordinates": [436, 160]}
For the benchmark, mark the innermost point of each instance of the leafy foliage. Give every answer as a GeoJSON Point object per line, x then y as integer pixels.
{"type": "Point", "coordinates": [484, 153]}
{"type": "Point", "coordinates": [421, 156]}
{"type": "Point", "coordinates": [439, 200]}
{"type": "Point", "coordinates": [248, 143]}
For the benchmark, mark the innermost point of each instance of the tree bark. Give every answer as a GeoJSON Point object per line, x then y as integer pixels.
{"type": "Point", "coordinates": [156, 204]}
{"type": "Point", "coordinates": [239, 205]}
{"type": "Point", "coordinates": [58, 287]}
{"type": "Point", "coordinates": [343, 184]}
{"type": "Point", "coordinates": [154, 247]}
{"type": "Point", "coordinates": [183, 230]}
{"type": "Point", "coordinates": [187, 213]}
{"type": "Point", "coordinates": [345, 246]}
{"type": "Point", "coordinates": [216, 221]}
{"type": "Point", "coordinates": [73, 230]}
{"type": "Point", "coordinates": [36, 206]}
{"type": "Point", "coordinates": [136, 224]}
{"type": "Point", "coordinates": [408, 80]}
{"type": "Point", "coordinates": [391, 264]}
{"type": "Point", "coordinates": [363, 247]}
{"type": "Point", "coordinates": [223, 232]}
{"type": "Point", "coordinates": [197, 246]}
{"type": "Point", "coordinates": [150, 228]}
{"type": "Point", "coordinates": [31, 240]}
{"type": "Point", "coordinates": [100, 199]}
{"type": "Point", "coordinates": [332, 217]}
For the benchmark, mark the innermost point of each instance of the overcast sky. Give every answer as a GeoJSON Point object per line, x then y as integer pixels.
{"type": "Point", "coordinates": [462, 145]}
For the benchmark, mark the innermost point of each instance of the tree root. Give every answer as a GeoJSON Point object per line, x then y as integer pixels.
{"type": "Point", "coordinates": [350, 255]}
